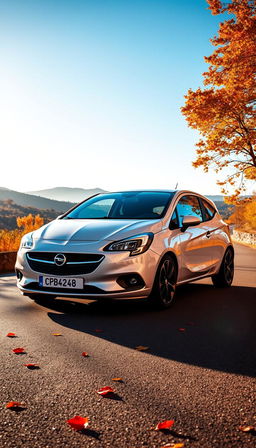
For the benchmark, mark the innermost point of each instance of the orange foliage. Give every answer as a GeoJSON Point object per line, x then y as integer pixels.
{"type": "Point", "coordinates": [30, 223]}
{"type": "Point", "coordinates": [244, 216]}
{"type": "Point", "coordinates": [10, 239]}
{"type": "Point", "coordinates": [224, 113]}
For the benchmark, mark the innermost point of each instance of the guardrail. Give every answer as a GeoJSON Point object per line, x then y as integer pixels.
{"type": "Point", "coordinates": [7, 262]}
{"type": "Point", "coordinates": [244, 237]}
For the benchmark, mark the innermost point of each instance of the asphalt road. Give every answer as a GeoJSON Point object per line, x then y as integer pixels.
{"type": "Point", "coordinates": [203, 378]}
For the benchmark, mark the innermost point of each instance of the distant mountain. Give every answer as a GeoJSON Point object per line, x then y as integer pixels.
{"type": "Point", "coordinates": [79, 194]}
{"type": "Point", "coordinates": [62, 198]}
{"type": "Point", "coordinates": [28, 200]}
{"type": "Point", "coordinates": [214, 198]}
{"type": "Point", "coordinates": [67, 194]}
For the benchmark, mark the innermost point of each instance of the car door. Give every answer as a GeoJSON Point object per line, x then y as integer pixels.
{"type": "Point", "coordinates": [196, 258]}
{"type": "Point", "coordinates": [217, 236]}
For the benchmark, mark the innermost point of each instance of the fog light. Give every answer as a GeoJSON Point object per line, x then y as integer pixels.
{"type": "Point", "coordinates": [131, 281]}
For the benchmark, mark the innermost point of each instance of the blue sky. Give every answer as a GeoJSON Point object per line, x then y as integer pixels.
{"type": "Point", "coordinates": [91, 92]}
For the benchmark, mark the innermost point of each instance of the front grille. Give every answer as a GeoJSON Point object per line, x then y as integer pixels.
{"type": "Point", "coordinates": [75, 264]}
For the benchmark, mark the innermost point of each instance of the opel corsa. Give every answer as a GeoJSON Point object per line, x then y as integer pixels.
{"type": "Point", "coordinates": [132, 244]}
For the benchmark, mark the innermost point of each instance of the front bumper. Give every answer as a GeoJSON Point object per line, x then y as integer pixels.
{"type": "Point", "coordinates": [101, 283]}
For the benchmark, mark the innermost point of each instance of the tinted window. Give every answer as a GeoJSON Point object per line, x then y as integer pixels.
{"type": "Point", "coordinates": [189, 206]}
{"type": "Point", "coordinates": [127, 205]}
{"type": "Point", "coordinates": [209, 210]}
{"type": "Point", "coordinates": [97, 209]}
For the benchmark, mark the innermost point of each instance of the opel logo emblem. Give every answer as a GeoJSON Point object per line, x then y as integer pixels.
{"type": "Point", "coordinates": [60, 259]}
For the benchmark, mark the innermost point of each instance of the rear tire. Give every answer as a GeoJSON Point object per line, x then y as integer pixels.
{"type": "Point", "coordinates": [162, 294]}
{"type": "Point", "coordinates": [225, 275]}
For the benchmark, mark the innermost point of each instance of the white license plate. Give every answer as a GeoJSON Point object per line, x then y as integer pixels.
{"type": "Point", "coordinates": [61, 282]}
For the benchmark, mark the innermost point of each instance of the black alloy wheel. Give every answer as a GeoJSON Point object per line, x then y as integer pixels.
{"type": "Point", "coordinates": [229, 267]}
{"type": "Point", "coordinates": [164, 287]}
{"type": "Point", "coordinates": [225, 275]}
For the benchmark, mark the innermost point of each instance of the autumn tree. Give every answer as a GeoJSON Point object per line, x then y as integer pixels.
{"type": "Point", "coordinates": [224, 112]}
{"type": "Point", "coordinates": [29, 223]}
{"type": "Point", "coordinates": [10, 239]}
{"type": "Point", "coordinates": [244, 215]}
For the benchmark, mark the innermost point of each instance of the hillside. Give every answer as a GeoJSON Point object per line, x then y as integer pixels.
{"type": "Point", "coordinates": [10, 211]}
{"type": "Point", "coordinates": [29, 200]}
{"type": "Point", "coordinates": [224, 209]}
{"type": "Point", "coordinates": [67, 194]}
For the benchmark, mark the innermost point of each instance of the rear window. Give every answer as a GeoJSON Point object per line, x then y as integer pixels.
{"type": "Point", "coordinates": [127, 205]}
{"type": "Point", "coordinates": [209, 210]}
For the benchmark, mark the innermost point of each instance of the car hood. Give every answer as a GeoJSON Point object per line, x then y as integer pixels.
{"type": "Point", "coordinates": [95, 230]}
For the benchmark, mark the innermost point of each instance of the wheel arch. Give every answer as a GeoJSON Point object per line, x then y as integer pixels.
{"type": "Point", "coordinates": [171, 254]}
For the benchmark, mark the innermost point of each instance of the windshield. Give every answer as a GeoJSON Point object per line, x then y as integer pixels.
{"type": "Point", "coordinates": [128, 205]}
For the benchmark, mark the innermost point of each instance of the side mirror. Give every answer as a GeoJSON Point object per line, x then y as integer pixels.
{"type": "Point", "coordinates": [189, 221]}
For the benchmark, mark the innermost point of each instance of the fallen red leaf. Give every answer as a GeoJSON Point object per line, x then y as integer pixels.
{"type": "Point", "coordinates": [85, 354]}
{"type": "Point", "coordinates": [11, 335]}
{"type": "Point", "coordinates": [167, 424]}
{"type": "Point", "coordinates": [105, 390]}
{"type": "Point", "coordinates": [246, 428]}
{"type": "Point", "coordinates": [78, 423]}
{"type": "Point", "coordinates": [18, 350]}
{"type": "Point", "coordinates": [141, 348]}
{"type": "Point", "coordinates": [173, 445]}
{"type": "Point", "coordinates": [14, 405]}
{"type": "Point", "coordinates": [182, 329]}
{"type": "Point", "coordinates": [32, 366]}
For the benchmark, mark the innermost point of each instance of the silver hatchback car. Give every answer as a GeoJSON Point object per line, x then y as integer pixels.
{"type": "Point", "coordinates": [132, 244]}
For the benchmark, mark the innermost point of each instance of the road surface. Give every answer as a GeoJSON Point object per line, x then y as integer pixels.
{"type": "Point", "coordinates": [203, 378]}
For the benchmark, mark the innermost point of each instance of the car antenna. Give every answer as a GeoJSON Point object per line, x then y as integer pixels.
{"type": "Point", "coordinates": [176, 186]}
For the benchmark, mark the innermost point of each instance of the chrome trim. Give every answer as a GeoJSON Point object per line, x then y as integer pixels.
{"type": "Point", "coordinates": [84, 262]}
{"type": "Point", "coordinates": [41, 261]}
{"type": "Point", "coordinates": [68, 262]}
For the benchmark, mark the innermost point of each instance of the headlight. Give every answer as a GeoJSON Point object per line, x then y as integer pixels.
{"type": "Point", "coordinates": [27, 241]}
{"type": "Point", "coordinates": [135, 245]}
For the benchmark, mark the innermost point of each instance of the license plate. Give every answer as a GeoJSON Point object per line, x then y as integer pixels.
{"type": "Point", "coordinates": [61, 282]}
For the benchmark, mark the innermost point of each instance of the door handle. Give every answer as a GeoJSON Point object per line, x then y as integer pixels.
{"type": "Point", "coordinates": [208, 234]}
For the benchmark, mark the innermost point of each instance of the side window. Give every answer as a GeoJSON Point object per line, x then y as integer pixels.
{"type": "Point", "coordinates": [174, 222]}
{"type": "Point", "coordinates": [209, 210]}
{"type": "Point", "coordinates": [189, 206]}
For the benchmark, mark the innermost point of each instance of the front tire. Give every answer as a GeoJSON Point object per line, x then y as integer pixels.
{"type": "Point", "coordinates": [162, 295]}
{"type": "Point", "coordinates": [225, 275]}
